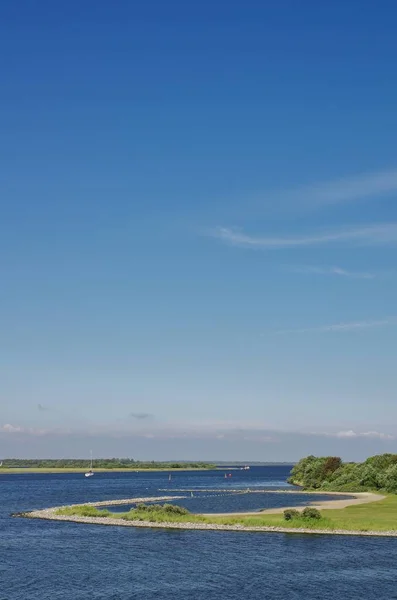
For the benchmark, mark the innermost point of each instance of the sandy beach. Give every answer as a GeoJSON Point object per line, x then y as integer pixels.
{"type": "Point", "coordinates": [359, 498]}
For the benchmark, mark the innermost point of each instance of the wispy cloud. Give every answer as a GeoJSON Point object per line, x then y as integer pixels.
{"type": "Point", "coordinates": [141, 415]}
{"type": "Point", "coordinates": [8, 428]}
{"type": "Point", "coordinates": [335, 271]}
{"type": "Point", "coordinates": [380, 233]}
{"type": "Point", "coordinates": [354, 188]}
{"type": "Point", "coordinates": [42, 408]}
{"type": "Point", "coordinates": [350, 433]}
{"type": "Point", "coordinates": [343, 327]}
{"type": "Point", "coordinates": [16, 429]}
{"type": "Point", "coordinates": [349, 189]}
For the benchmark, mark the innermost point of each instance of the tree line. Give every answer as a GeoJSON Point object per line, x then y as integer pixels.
{"type": "Point", "coordinates": [101, 463]}
{"type": "Point", "coordinates": [331, 474]}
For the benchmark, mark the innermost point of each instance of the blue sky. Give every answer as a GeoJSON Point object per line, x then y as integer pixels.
{"type": "Point", "coordinates": [198, 229]}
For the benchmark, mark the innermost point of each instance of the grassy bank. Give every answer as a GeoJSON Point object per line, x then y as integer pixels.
{"type": "Point", "coordinates": [375, 516]}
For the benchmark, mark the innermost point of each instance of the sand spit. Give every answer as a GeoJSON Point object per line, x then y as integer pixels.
{"type": "Point", "coordinates": [51, 515]}
{"type": "Point", "coordinates": [130, 501]}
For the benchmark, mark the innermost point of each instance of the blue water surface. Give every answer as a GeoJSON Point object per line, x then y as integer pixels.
{"type": "Point", "coordinates": [42, 560]}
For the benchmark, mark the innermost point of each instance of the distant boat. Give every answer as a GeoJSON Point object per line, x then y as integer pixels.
{"type": "Point", "coordinates": [246, 468]}
{"type": "Point", "coordinates": [169, 477]}
{"type": "Point", "coordinates": [90, 473]}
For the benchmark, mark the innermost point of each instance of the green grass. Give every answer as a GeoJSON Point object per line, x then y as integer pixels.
{"type": "Point", "coordinates": [374, 516]}
{"type": "Point", "coordinates": [83, 511]}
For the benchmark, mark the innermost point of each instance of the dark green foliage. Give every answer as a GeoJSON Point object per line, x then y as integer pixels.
{"type": "Point", "coordinates": [329, 473]}
{"type": "Point", "coordinates": [389, 479]}
{"type": "Point", "coordinates": [382, 461]}
{"type": "Point", "coordinates": [291, 513]}
{"type": "Point", "coordinates": [155, 512]}
{"type": "Point", "coordinates": [308, 513]}
{"type": "Point", "coordinates": [332, 464]}
{"type": "Point", "coordinates": [164, 508]}
{"type": "Point", "coordinates": [311, 513]}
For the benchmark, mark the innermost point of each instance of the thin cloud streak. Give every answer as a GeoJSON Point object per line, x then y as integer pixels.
{"type": "Point", "coordinates": [381, 233]}
{"type": "Point", "coordinates": [343, 327]}
{"type": "Point", "coordinates": [353, 188]}
{"type": "Point", "coordinates": [351, 434]}
{"type": "Point", "coordinates": [336, 271]}
{"type": "Point", "coordinates": [374, 185]}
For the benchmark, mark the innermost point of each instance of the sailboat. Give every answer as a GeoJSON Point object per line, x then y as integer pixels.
{"type": "Point", "coordinates": [90, 473]}
{"type": "Point", "coordinates": [169, 477]}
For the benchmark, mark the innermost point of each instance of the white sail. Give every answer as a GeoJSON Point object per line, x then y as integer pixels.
{"type": "Point", "coordinates": [90, 473]}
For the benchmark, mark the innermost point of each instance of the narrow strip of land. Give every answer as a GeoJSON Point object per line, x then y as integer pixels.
{"type": "Point", "coordinates": [50, 514]}
{"type": "Point", "coordinates": [381, 515]}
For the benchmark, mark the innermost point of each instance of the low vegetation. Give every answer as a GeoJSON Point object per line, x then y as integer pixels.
{"type": "Point", "coordinates": [84, 510]}
{"type": "Point", "coordinates": [377, 473]}
{"type": "Point", "coordinates": [153, 513]}
{"type": "Point", "coordinates": [307, 513]}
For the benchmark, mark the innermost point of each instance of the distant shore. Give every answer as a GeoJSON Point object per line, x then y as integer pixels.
{"type": "Point", "coordinates": [18, 471]}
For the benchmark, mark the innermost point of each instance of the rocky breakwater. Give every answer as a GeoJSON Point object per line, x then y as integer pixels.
{"type": "Point", "coordinates": [45, 512]}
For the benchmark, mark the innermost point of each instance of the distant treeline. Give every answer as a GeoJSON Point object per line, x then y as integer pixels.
{"type": "Point", "coordinates": [330, 473]}
{"type": "Point", "coordinates": [100, 463]}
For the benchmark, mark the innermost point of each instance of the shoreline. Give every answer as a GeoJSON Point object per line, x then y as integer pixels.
{"type": "Point", "coordinates": [38, 470]}
{"type": "Point", "coordinates": [358, 498]}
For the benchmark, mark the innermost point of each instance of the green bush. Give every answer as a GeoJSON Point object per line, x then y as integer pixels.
{"type": "Point", "coordinates": [156, 509]}
{"type": "Point", "coordinates": [291, 513]}
{"type": "Point", "coordinates": [311, 513]}
{"type": "Point", "coordinates": [174, 509]}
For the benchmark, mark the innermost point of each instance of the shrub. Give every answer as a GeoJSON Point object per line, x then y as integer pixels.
{"type": "Point", "coordinates": [291, 513]}
{"type": "Point", "coordinates": [311, 513]}
{"type": "Point", "coordinates": [174, 509]}
{"type": "Point", "coordinates": [159, 509]}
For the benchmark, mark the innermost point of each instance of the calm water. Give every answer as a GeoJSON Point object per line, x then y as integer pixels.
{"type": "Point", "coordinates": [41, 560]}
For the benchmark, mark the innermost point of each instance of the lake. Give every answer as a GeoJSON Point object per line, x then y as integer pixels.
{"type": "Point", "coordinates": [42, 560]}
